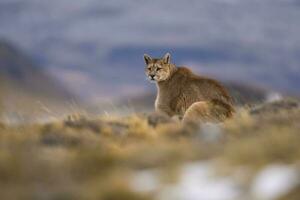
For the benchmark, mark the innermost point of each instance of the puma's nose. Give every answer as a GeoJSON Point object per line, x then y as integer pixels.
{"type": "Point", "coordinates": [152, 77]}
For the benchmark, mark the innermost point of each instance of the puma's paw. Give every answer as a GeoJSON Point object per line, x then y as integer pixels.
{"type": "Point", "coordinates": [158, 118]}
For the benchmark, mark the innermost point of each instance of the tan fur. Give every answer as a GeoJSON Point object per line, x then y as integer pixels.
{"type": "Point", "coordinates": [183, 93]}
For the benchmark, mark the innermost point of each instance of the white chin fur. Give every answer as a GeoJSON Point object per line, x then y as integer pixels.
{"type": "Point", "coordinates": [152, 81]}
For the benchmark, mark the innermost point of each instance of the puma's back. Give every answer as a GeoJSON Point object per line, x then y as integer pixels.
{"type": "Point", "coordinates": [179, 88]}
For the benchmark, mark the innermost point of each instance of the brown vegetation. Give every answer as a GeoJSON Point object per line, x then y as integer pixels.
{"type": "Point", "coordinates": [95, 158]}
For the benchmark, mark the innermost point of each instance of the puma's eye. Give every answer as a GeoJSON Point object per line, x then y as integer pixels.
{"type": "Point", "coordinates": [149, 68]}
{"type": "Point", "coordinates": [158, 69]}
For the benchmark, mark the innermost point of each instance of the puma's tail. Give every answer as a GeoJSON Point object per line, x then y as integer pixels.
{"type": "Point", "coordinates": [209, 111]}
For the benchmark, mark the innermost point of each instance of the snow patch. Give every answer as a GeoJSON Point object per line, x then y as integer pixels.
{"type": "Point", "coordinates": [196, 181]}
{"type": "Point", "coordinates": [274, 181]}
{"type": "Point", "coordinates": [145, 181]}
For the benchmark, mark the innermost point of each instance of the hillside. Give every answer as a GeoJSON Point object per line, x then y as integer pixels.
{"type": "Point", "coordinates": [26, 87]}
{"type": "Point", "coordinates": [253, 156]}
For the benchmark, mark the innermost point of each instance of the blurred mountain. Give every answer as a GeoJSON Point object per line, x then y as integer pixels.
{"type": "Point", "coordinates": [102, 42]}
{"type": "Point", "coordinates": [26, 87]}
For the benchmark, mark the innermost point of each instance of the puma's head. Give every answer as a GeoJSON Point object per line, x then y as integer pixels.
{"type": "Point", "coordinates": [158, 69]}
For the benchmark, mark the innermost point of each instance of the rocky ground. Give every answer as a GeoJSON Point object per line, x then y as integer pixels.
{"type": "Point", "coordinates": [255, 155]}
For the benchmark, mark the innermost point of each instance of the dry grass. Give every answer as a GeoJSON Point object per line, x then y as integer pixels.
{"type": "Point", "coordinates": [263, 135]}
{"type": "Point", "coordinates": [82, 158]}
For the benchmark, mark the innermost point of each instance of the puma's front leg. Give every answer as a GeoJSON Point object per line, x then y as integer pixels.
{"type": "Point", "coordinates": [164, 109]}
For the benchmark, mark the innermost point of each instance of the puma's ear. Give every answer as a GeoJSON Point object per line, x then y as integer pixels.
{"type": "Point", "coordinates": [167, 58]}
{"type": "Point", "coordinates": [147, 59]}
